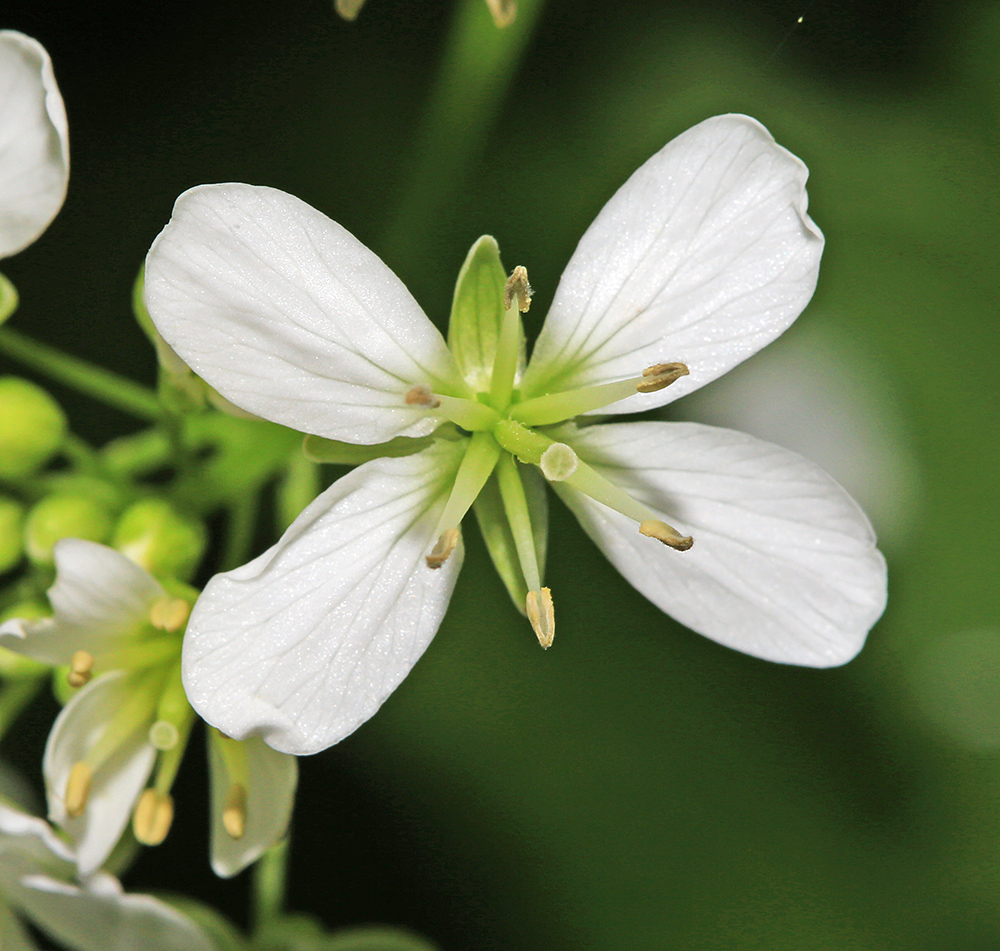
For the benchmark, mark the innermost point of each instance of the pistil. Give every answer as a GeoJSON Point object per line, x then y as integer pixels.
{"type": "Point", "coordinates": [516, 301]}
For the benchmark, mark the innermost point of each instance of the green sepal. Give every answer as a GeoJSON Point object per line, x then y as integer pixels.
{"type": "Point", "coordinates": [477, 313]}
{"type": "Point", "coordinates": [319, 449]}
{"type": "Point", "coordinates": [8, 298]}
{"type": "Point", "coordinates": [499, 539]}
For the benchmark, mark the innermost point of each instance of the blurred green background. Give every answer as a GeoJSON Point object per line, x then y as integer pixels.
{"type": "Point", "coordinates": [635, 787]}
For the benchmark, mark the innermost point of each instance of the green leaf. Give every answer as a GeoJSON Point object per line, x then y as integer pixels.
{"type": "Point", "coordinates": [222, 932]}
{"type": "Point", "coordinates": [477, 313]}
{"type": "Point", "coordinates": [493, 523]}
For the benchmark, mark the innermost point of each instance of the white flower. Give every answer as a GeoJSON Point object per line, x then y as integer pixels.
{"type": "Point", "coordinates": [34, 142]}
{"type": "Point", "coordinates": [704, 256]}
{"type": "Point", "coordinates": [116, 623]}
{"type": "Point", "coordinates": [37, 882]}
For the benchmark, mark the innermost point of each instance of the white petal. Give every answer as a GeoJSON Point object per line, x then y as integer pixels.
{"type": "Point", "coordinates": [703, 256]}
{"type": "Point", "coordinates": [28, 843]}
{"type": "Point", "coordinates": [34, 142]}
{"type": "Point", "coordinates": [304, 643]}
{"type": "Point", "coordinates": [270, 798]}
{"type": "Point", "coordinates": [116, 785]}
{"type": "Point", "coordinates": [784, 564]}
{"type": "Point", "coordinates": [100, 917]}
{"type": "Point", "coordinates": [99, 599]}
{"type": "Point", "coordinates": [292, 318]}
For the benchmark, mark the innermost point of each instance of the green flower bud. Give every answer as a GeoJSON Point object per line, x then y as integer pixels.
{"type": "Point", "coordinates": [11, 541]}
{"type": "Point", "coordinates": [32, 426]}
{"type": "Point", "coordinates": [153, 534]}
{"type": "Point", "coordinates": [64, 516]}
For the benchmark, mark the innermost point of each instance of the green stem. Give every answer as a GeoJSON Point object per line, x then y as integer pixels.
{"type": "Point", "coordinates": [269, 877]}
{"type": "Point", "coordinates": [479, 63]}
{"type": "Point", "coordinates": [103, 385]}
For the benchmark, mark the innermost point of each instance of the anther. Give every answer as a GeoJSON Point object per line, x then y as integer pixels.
{"type": "Point", "coordinates": [517, 286]}
{"type": "Point", "coordinates": [558, 462]}
{"type": "Point", "coordinates": [169, 614]}
{"type": "Point", "coordinates": [504, 11]}
{"type": "Point", "coordinates": [234, 812]}
{"type": "Point", "coordinates": [542, 616]}
{"type": "Point", "coordinates": [153, 816]}
{"type": "Point", "coordinates": [421, 395]}
{"type": "Point", "coordinates": [81, 668]}
{"type": "Point", "coordinates": [444, 547]}
{"type": "Point", "coordinates": [652, 528]}
{"type": "Point", "coordinates": [78, 789]}
{"type": "Point", "coordinates": [661, 375]}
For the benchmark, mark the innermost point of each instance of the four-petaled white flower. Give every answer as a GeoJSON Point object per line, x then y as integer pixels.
{"type": "Point", "coordinates": [704, 256]}
{"type": "Point", "coordinates": [113, 622]}
{"type": "Point", "coordinates": [37, 872]}
{"type": "Point", "coordinates": [34, 142]}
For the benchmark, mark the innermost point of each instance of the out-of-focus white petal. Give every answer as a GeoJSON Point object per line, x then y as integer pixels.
{"type": "Point", "coordinates": [34, 142]}
{"type": "Point", "coordinates": [289, 316]}
{"type": "Point", "coordinates": [703, 256]}
{"type": "Point", "coordinates": [116, 784]}
{"type": "Point", "coordinates": [99, 598]}
{"type": "Point", "coordinates": [784, 564]}
{"type": "Point", "coordinates": [304, 643]}
{"type": "Point", "coordinates": [273, 777]}
{"type": "Point", "coordinates": [99, 916]}
{"type": "Point", "coordinates": [28, 843]}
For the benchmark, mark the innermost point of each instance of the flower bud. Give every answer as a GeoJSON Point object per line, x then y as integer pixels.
{"type": "Point", "coordinates": [157, 537]}
{"type": "Point", "coordinates": [11, 540]}
{"type": "Point", "coordinates": [32, 427]}
{"type": "Point", "coordinates": [64, 516]}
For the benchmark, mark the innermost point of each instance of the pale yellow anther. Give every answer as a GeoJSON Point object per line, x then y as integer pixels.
{"type": "Point", "coordinates": [153, 816]}
{"type": "Point", "coordinates": [81, 668]}
{"type": "Point", "coordinates": [504, 11]}
{"type": "Point", "coordinates": [517, 286]}
{"type": "Point", "coordinates": [558, 462]}
{"type": "Point", "coordinates": [661, 375]}
{"type": "Point", "coordinates": [443, 548]}
{"type": "Point", "coordinates": [169, 614]}
{"type": "Point", "coordinates": [234, 812]}
{"type": "Point", "coordinates": [78, 789]}
{"type": "Point", "coordinates": [422, 396]}
{"type": "Point", "coordinates": [542, 615]}
{"type": "Point", "coordinates": [661, 531]}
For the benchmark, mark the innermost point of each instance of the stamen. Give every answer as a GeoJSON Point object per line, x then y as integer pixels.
{"type": "Point", "coordinates": [169, 614]}
{"type": "Point", "coordinates": [445, 546]}
{"type": "Point", "coordinates": [660, 376]}
{"type": "Point", "coordinates": [81, 668]}
{"type": "Point", "coordinates": [153, 816]}
{"type": "Point", "coordinates": [542, 616]}
{"type": "Point", "coordinates": [504, 11]}
{"type": "Point", "coordinates": [422, 396]}
{"type": "Point", "coordinates": [81, 776]}
{"type": "Point", "coordinates": [558, 462]}
{"type": "Point", "coordinates": [517, 286]}
{"type": "Point", "coordinates": [654, 528]}
{"type": "Point", "coordinates": [234, 813]}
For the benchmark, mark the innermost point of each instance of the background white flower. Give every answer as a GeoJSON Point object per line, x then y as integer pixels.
{"type": "Point", "coordinates": [34, 142]}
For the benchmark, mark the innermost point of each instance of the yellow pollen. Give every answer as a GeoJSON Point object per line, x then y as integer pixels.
{"type": "Point", "coordinates": [661, 531]}
{"type": "Point", "coordinates": [153, 816]}
{"type": "Point", "coordinates": [661, 375]}
{"type": "Point", "coordinates": [517, 286]}
{"type": "Point", "coordinates": [234, 812]}
{"type": "Point", "coordinates": [422, 396]}
{"type": "Point", "coordinates": [78, 789]}
{"type": "Point", "coordinates": [169, 614]}
{"type": "Point", "coordinates": [542, 616]}
{"type": "Point", "coordinates": [80, 668]}
{"type": "Point", "coordinates": [444, 547]}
